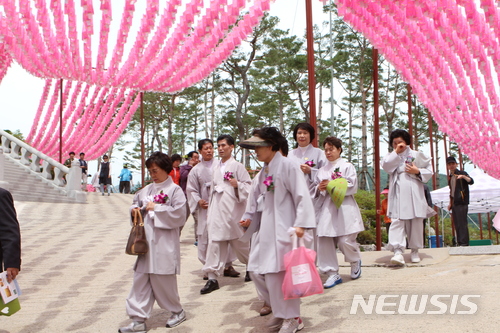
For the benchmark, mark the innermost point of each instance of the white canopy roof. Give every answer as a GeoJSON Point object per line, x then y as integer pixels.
{"type": "Point", "coordinates": [484, 194]}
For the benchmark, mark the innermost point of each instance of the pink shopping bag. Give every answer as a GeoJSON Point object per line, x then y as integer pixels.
{"type": "Point", "coordinates": [301, 277]}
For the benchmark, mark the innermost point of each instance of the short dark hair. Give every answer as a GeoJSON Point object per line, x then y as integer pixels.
{"type": "Point", "coordinates": [105, 156]}
{"type": "Point", "coordinates": [175, 157]}
{"type": "Point", "coordinates": [161, 160]}
{"type": "Point", "coordinates": [333, 141]}
{"type": "Point", "coordinates": [203, 142]}
{"type": "Point", "coordinates": [273, 136]}
{"type": "Point", "coordinates": [190, 154]}
{"type": "Point", "coordinates": [72, 152]}
{"type": "Point", "coordinates": [304, 126]}
{"type": "Point", "coordinates": [229, 139]}
{"type": "Point", "coordinates": [399, 133]}
{"type": "Point", "coordinates": [82, 154]}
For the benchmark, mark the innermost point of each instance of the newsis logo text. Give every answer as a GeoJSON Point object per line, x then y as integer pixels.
{"type": "Point", "coordinates": [415, 304]}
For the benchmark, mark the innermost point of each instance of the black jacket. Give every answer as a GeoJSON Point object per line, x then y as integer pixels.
{"type": "Point", "coordinates": [10, 235]}
{"type": "Point", "coordinates": [461, 196]}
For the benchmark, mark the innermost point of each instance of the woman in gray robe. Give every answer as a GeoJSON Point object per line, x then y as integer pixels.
{"type": "Point", "coordinates": [163, 206]}
{"type": "Point", "coordinates": [279, 201]}
{"type": "Point", "coordinates": [337, 226]}
{"type": "Point", "coordinates": [309, 159]}
{"type": "Point", "coordinates": [408, 171]}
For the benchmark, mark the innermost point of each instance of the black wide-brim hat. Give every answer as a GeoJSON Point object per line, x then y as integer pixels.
{"type": "Point", "coordinates": [254, 142]}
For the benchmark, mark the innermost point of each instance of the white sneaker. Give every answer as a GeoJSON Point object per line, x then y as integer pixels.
{"type": "Point", "coordinates": [134, 327]}
{"type": "Point", "coordinates": [398, 259]}
{"type": "Point", "coordinates": [332, 281]}
{"type": "Point", "coordinates": [291, 325]}
{"type": "Point", "coordinates": [356, 269]}
{"type": "Point", "coordinates": [415, 258]}
{"type": "Point", "coordinates": [176, 318]}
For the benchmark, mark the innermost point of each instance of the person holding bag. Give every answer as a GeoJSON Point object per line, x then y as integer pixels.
{"type": "Point", "coordinates": [163, 206]}
{"type": "Point", "coordinates": [280, 199]}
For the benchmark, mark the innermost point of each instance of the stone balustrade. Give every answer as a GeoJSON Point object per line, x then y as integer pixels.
{"type": "Point", "coordinates": [43, 166]}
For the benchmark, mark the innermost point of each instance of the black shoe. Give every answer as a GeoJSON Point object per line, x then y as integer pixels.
{"type": "Point", "coordinates": [247, 277]}
{"type": "Point", "coordinates": [209, 287]}
{"type": "Point", "coordinates": [205, 277]}
{"type": "Point", "coordinates": [230, 271]}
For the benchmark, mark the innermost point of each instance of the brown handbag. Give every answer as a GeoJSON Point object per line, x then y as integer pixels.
{"type": "Point", "coordinates": [137, 242]}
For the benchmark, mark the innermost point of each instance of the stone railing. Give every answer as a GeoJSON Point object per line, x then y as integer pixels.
{"type": "Point", "coordinates": [43, 166]}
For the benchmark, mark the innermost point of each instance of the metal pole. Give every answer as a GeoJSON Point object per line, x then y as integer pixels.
{"type": "Point", "coordinates": [410, 116]}
{"type": "Point", "coordinates": [143, 170]}
{"type": "Point", "coordinates": [60, 119]}
{"type": "Point", "coordinates": [332, 105]}
{"type": "Point", "coordinates": [376, 136]}
{"type": "Point", "coordinates": [310, 71]}
{"type": "Point", "coordinates": [434, 177]}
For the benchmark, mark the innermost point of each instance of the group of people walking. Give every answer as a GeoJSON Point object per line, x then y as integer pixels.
{"type": "Point", "coordinates": [253, 219]}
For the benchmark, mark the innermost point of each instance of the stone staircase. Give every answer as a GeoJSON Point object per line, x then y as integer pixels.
{"type": "Point", "coordinates": [31, 175]}
{"type": "Point", "coordinates": [26, 186]}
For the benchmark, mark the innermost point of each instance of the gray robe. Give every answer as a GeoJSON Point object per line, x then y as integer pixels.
{"type": "Point", "coordinates": [310, 154]}
{"type": "Point", "coordinates": [346, 220]}
{"type": "Point", "coordinates": [274, 212]}
{"type": "Point", "coordinates": [406, 199]}
{"type": "Point", "coordinates": [162, 231]}
{"type": "Point", "coordinates": [198, 188]}
{"type": "Point", "coordinates": [227, 204]}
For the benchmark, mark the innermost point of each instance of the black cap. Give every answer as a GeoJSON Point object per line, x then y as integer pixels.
{"type": "Point", "coordinates": [451, 159]}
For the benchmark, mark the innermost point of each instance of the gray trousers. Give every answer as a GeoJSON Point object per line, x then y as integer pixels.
{"type": "Point", "coordinates": [413, 229]}
{"type": "Point", "coordinates": [269, 288]}
{"type": "Point", "coordinates": [147, 288]}
{"type": "Point", "coordinates": [327, 252]}
{"type": "Point", "coordinates": [218, 252]}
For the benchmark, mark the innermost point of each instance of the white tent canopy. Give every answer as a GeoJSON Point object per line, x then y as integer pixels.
{"type": "Point", "coordinates": [484, 194]}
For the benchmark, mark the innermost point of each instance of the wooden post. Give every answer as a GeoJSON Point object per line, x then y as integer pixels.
{"type": "Point", "coordinates": [410, 115]}
{"type": "Point", "coordinates": [60, 120]}
{"type": "Point", "coordinates": [480, 226]}
{"type": "Point", "coordinates": [310, 71]}
{"type": "Point", "coordinates": [447, 178]}
{"type": "Point", "coordinates": [434, 177]}
{"type": "Point", "coordinates": [376, 136]}
{"type": "Point", "coordinates": [489, 226]}
{"type": "Point", "coordinates": [143, 169]}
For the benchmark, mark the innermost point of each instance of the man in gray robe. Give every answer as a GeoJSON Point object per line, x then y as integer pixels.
{"type": "Point", "coordinates": [231, 184]}
{"type": "Point", "coordinates": [197, 191]}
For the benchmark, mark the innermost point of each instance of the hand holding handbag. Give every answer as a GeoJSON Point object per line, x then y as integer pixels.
{"type": "Point", "coordinates": [137, 242]}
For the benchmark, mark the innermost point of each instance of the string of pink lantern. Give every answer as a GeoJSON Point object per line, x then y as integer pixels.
{"type": "Point", "coordinates": [173, 48]}
{"type": "Point", "coordinates": [449, 51]}
{"type": "Point", "coordinates": [42, 37]}
{"type": "Point", "coordinates": [5, 61]}
{"type": "Point", "coordinates": [90, 124]}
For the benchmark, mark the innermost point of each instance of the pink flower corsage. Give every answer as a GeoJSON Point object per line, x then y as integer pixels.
{"type": "Point", "coordinates": [160, 198]}
{"type": "Point", "coordinates": [311, 163]}
{"type": "Point", "coordinates": [228, 175]}
{"type": "Point", "coordinates": [336, 174]}
{"type": "Point", "coordinates": [269, 183]}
